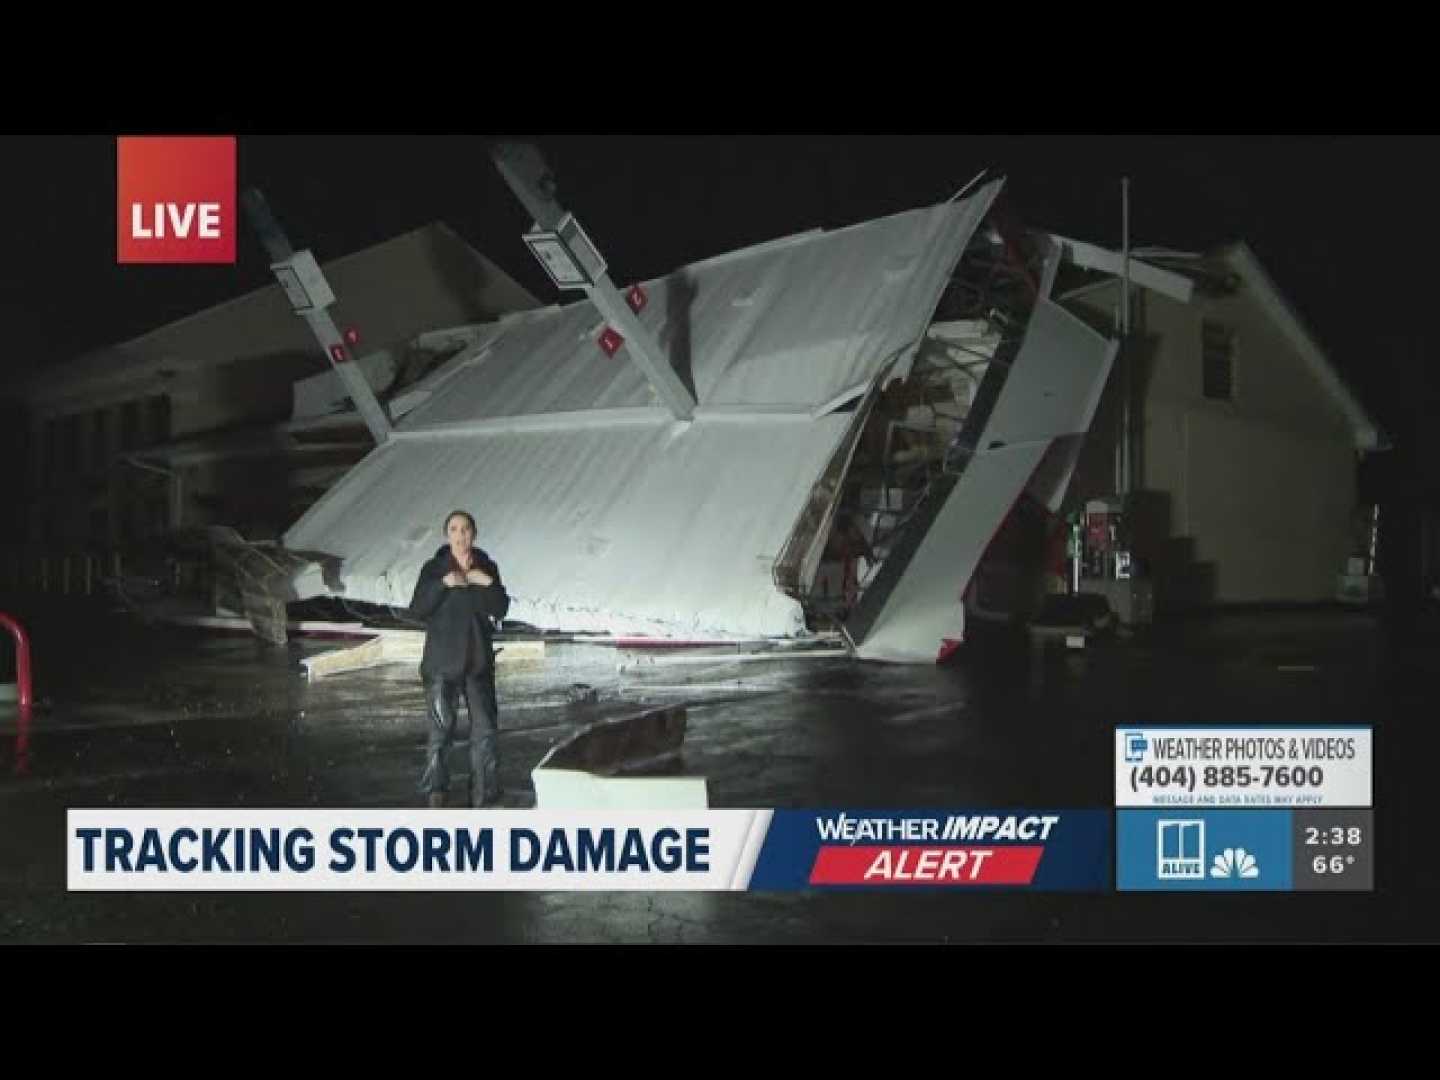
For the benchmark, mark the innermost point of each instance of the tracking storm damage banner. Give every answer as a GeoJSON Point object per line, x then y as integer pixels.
{"type": "Point", "coordinates": [1275, 809]}
{"type": "Point", "coordinates": [710, 850]}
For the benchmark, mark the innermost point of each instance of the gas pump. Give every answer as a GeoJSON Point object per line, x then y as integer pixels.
{"type": "Point", "coordinates": [1104, 563]}
{"type": "Point", "coordinates": [1104, 524]}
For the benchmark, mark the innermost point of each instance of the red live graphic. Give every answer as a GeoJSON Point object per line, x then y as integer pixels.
{"type": "Point", "coordinates": [909, 865]}
{"type": "Point", "coordinates": [175, 199]}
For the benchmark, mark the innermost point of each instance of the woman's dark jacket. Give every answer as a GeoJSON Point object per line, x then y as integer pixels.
{"type": "Point", "coordinates": [457, 621]}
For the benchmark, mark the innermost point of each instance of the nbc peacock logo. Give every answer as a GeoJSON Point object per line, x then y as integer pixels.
{"type": "Point", "coordinates": [1235, 863]}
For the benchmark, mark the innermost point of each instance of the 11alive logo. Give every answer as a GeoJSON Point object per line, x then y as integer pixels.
{"type": "Point", "coordinates": [175, 199]}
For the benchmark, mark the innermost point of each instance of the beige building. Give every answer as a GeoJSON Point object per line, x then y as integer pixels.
{"type": "Point", "coordinates": [1245, 439]}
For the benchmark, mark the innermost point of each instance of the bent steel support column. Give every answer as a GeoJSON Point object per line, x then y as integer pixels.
{"type": "Point", "coordinates": [573, 262]}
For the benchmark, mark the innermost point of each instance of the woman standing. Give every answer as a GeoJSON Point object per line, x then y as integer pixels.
{"type": "Point", "coordinates": [458, 595]}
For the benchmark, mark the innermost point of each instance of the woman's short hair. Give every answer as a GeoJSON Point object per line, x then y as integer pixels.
{"type": "Point", "coordinates": [458, 513]}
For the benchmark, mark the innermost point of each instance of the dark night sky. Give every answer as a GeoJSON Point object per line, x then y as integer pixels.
{"type": "Point", "coordinates": [1346, 225]}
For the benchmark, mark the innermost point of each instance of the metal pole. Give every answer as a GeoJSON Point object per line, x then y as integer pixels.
{"type": "Point", "coordinates": [1126, 434]}
{"type": "Point", "coordinates": [524, 170]}
{"type": "Point", "coordinates": [22, 659]}
{"type": "Point", "coordinates": [1125, 247]}
{"type": "Point", "coordinates": [1374, 538]}
{"type": "Point", "coordinates": [177, 499]}
{"type": "Point", "coordinates": [322, 326]}
{"type": "Point", "coordinates": [1075, 548]}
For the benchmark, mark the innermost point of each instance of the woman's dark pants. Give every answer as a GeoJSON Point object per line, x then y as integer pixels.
{"type": "Point", "coordinates": [441, 699]}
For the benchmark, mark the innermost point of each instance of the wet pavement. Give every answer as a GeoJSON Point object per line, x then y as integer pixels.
{"type": "Point", "coordinates": [152, 717]}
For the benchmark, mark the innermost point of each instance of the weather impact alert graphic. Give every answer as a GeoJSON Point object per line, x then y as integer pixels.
{"type": "Point", "coordinates": [1061, 850]}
